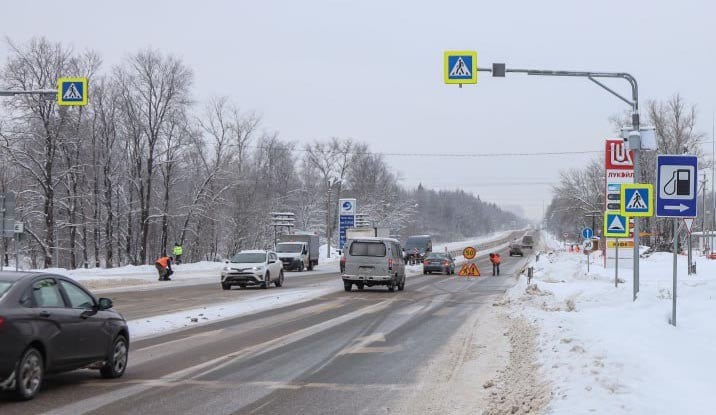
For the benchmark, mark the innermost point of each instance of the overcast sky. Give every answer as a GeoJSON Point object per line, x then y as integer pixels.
{"type": "Point", "coordinates": [372, 70]}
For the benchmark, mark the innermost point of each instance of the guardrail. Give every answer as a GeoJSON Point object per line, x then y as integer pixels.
{"type": "Point", "coordinates": [491, 244]}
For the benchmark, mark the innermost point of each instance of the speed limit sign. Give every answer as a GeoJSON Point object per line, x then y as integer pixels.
{"type": "Point", "coordinates": [587, 245]}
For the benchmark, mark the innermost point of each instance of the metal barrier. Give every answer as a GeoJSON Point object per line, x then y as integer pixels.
{"type": "Point", "coordinates": [491, 244]}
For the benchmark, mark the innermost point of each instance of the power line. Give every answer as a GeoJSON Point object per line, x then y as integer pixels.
{"type": "Point", "coordinates": [450, 155]}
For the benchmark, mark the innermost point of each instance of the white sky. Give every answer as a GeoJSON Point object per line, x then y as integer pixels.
{"type": "Point", "coordinates": [372, 70]}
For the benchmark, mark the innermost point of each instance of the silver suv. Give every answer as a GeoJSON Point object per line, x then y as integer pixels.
{"type": "Point", "coordinates": [374, 261]}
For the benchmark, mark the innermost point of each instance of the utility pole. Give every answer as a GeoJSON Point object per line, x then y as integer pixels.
{"type": "Point", "coordinates": [703, 205]}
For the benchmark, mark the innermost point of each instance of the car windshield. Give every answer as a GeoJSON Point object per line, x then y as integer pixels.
{"type": "Point", "coordinates": [361, 248]}
{"type": "Point", "coordinates": [419, 242]}
{"type": "Point", "coordinates": [249, 257]}
{"type": "Point", "coordinates": [4, 286]}
{"type": "Point", "coordinates": [289, 248]}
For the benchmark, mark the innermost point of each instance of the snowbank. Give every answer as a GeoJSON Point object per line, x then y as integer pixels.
{"type": "Point", "coordinates": [605, 353]}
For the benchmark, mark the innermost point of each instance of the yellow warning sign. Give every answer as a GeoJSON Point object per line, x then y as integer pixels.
{"type": "Point", "coordinates": [469, 270]}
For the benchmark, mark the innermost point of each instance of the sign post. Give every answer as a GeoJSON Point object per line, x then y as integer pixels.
{"type": "Point", "coordinates": [616, 226]}
{"type": "Point", "coordinates": [688, 223]}
{"type": "Point", "coordinates": [676, 196]}
{"type": "Point", "coordinates": [346, 218]}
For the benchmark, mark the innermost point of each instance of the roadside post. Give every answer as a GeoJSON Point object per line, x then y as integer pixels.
{"type": "Point", "coordinates": [676, 197]}
{"type": "Point", "coordinates": [688, 223]}
{"type": "Point", "coordinates": [19, 230]}
{"type": "Point", "coordinates": [616, 226]}
{"type": "Point", "coordinates": [7, 222]}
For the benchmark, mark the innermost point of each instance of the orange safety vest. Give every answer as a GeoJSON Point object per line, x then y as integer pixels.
{"type": "Point", "coordinates": [496, 259]}
{"type": "Point", "coordinates": [163, 261]}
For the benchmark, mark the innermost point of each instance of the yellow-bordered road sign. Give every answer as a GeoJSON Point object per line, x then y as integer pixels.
{"type": "Point", "coordinates": [469, 252]}
{"type": "Point", "coordinates": [460, 67]}
{"type": "Point", "coordinates": [469, 270]}
{"type": "Point", "coordinates": [637, 200]}
{"type": "Point", "coordinates": [616, 225]}
{"type": "Point", "coordinates": [72, 91]}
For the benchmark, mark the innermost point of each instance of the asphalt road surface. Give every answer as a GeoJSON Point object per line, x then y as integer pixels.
{"type": "Point", "coordinates": [343, 353]}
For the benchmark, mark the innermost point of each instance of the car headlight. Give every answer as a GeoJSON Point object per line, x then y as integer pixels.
{"type": "Point", "coordinates": [259, 268]}
{"type": "Point", "coordinates": [226, 268]}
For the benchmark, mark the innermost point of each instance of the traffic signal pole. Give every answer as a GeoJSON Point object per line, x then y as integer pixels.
{"type": "Point", "coordinates": [499, 70]}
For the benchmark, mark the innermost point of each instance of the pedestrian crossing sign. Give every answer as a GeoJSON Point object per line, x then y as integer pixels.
{"type": "Point", "coordinates": [72, 91]}
{"type": "Point", "coordinates": [460, 67]}
{"type": "Point", "coordinates": [616, 225]}
{"type": "Point", "coordinates": [637, 200]}
{"type": "Point", "coordinates": [469, 270]}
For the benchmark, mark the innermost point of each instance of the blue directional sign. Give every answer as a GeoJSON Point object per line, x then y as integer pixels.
{"type": "Point", "coordinates": [346, 218]}
{"type": "Point", "coordinates": [676, 186]}
{"type": "Point", "coordinates": [587, 233]}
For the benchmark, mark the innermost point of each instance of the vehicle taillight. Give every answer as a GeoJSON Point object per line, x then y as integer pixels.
{"type": "Point", "coordinates": [390, 263]}
{"type": "Point", "coordinates": [2, 321]}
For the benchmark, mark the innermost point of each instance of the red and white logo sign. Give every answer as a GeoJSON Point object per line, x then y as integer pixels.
{"type": "Point", "coordinates": [618, 157]}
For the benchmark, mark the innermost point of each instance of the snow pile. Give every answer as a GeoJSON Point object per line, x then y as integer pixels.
{"type": "Point", "coordinates": [323, 254]}
{"type": "Point", "coordinates": [605, 353]}
{"type": "Point", "coordinates": [151, 326]}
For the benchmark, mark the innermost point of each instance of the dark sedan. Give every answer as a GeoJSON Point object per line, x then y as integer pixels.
{"type": "Point", "coordinates": [50, 323]}
{"type": "Point", "coordinates": [437, 262]}
{"type": "Point", "coordinates": [516, 249]}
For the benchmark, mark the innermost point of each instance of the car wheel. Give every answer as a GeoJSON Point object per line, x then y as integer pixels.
{"type": "Point", "coordinates": [267, 281]}
{"type": "Point", "coordinates": [360, 287]}
{"type": "Point", "coordinates": [391, 285]}
{"type": "Point", "coordinates": [225, 286]}
{"type": "Point", "coordinates": [29, 374]}
{"type": "Point", "coordinates": [116, 362]}
{"type": "Point", "coordinates": [401, 286]}
{"type": "Point", "coordinates": [300, 267]}
{"type": "Point", "coordinates": [279, 283]}
{"type": "Point", "coordinates": [347, 286]}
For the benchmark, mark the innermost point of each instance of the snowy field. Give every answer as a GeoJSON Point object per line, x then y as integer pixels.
{"type": "Point", "coordinates": [604, 353]}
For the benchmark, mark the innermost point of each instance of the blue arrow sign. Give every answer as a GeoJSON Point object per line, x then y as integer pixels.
{"type": "Point", "coordinates": [676, 192]}
{"type": "Point", "coordinates": [587, 233]}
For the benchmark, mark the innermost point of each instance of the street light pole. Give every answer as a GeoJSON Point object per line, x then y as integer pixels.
{"type": "Point", "coordinates": [499, 70]}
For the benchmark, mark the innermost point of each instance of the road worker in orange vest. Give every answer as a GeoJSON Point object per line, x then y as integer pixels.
{"type": "Point", "coordinates": [164, 267]}
{"type": "Point", "coordinates": [495, 259]}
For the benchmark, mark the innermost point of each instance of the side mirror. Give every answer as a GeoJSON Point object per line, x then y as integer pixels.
{"type": "Point", "coordinates": [226, 261]}
{"type": "Point", "coordinates": [105, 303]}
{"type": "Point", "coordinates": [273, 261]}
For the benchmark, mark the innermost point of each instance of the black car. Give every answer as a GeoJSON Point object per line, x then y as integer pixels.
{"type": "Point", "coordinates": [50, 323]}
{"type": "Point", "coordinates": [437, 262]}
{"type": "Point", "coordinates": [516, 249]}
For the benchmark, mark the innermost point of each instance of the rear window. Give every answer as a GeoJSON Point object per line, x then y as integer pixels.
{"type": "Point", "coordinates": [437, 256]}
{"type": "Point", "coordinates": [527, 239]}
{"type": "Point", "coordinates": [361, 248]}
{"type": "Point", "coordinates": [4, 286]}
{"type": "Point", "coordinates": [420, 242]}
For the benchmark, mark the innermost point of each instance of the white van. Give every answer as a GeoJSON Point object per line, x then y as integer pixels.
{"type": "Point", "coordinates": [374, 261]}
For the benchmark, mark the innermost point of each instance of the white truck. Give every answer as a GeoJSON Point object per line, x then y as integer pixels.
{"type": "Point", "coordinates": [298, 251]}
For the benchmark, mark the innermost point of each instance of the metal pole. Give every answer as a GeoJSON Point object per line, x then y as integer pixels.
{"type": "Point", "coordinates": [2, 231]}
{"type": "Point", "coordinates": [616, 266]}
{"type": "Point", "coordinates": [17, 255]}
{"type": "Point", "coordinates": [328, 225]}
{"type": "Point", "coordinates": [688, 245]}
{"type": "Point", "coordinates": [673, 296]}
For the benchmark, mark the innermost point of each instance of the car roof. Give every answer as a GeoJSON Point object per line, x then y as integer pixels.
{"type": "Point", "coordinates": [254, 251]}
{"type": "Point", "coordinates": [418, 236]}
{"type": "Point", "coordinates": [374, 239]}
{"type": "Point", "coordinates": [18, 275]}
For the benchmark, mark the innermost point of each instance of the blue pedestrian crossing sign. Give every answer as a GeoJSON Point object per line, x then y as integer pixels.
{"type": "Point", "coordinates": [676, 191]}
{"type": "Point", "coordinates": [616, 225]}
{"type": "Point", "coordinates": [460, 67]}
{"type": "Point", "coordinates": [637, 200]}
{"type": "Point", "coordinates": [72, 91]}
{"type": "Point", "coordinates": [587, 233]}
